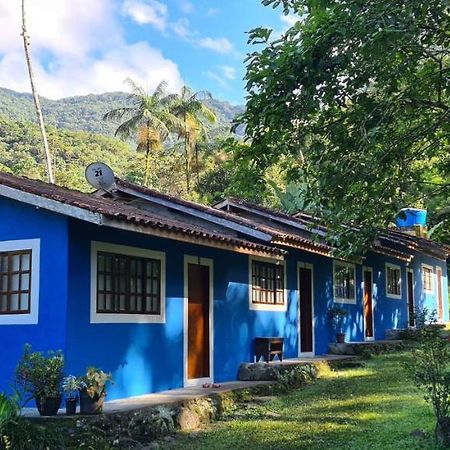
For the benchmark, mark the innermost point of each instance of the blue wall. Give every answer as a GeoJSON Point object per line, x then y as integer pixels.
{"type": "Point", "coordinates": [149, 357]}
{"type": "Point", "coordinates": [19, 221]}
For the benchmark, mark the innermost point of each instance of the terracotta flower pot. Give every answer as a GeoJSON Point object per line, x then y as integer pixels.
{"type": "Point", "coordinates": [340, 338]}
{"type": "Point", "coordinates": [90, 405]}
{"type": "Point", "coordinates": [48, 406]}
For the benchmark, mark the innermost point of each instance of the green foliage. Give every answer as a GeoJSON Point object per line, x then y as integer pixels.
{"type": "Point", "coordinates": [17, 433]}
{"type": "Point", "coordinates": [295, 377]}
{"type": "Point", "coordinates": [95, 382]}
{"type": "Point", "coordinates": [337, 314]}
{"type": "Point", "coordinates": [40, 375]}
{"type": "Point", "coordinates": [357, 94]}
{"type": "Point", "coordinates": [430, 367]}
{"type": "Point", "coordinates": [85, 113]}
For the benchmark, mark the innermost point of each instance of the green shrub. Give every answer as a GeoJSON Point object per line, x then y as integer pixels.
{"type": "Point", "coordinates": [295, 377]}
{"type": "Point", "coordinates": [430, 367]}
{"type": "Point", "coordinates": [18, 433]}
{"type": "Point", "coordinates": [38, 375]}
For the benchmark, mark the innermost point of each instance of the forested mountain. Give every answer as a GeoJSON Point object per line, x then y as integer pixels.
{"type": "Point", "coordinates": [21, 152]}
{"type": "Point", "coordinates": [85, 113]}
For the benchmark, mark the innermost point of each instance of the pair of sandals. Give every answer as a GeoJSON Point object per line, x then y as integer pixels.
{"type": "Point", "coordinates": [213, 385]}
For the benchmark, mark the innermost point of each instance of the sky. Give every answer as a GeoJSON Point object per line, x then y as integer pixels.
{"type": "Point", "coordinates": [91, 46]}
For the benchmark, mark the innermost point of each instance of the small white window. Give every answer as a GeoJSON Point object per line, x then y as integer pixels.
{"type": "Point", "coordinates": [393, 281]}
{"type": "Point", "coordinates": [19, 282]}
{"type": "Point", "coordinates": [427, 279]}
{"type": "Point", "coordinates": [127, 285]}
{"type": "Point", "coordinates": [344, 285]}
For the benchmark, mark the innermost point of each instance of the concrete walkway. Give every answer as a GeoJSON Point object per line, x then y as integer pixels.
{"type": "Point", "coordinates": [192, 392]}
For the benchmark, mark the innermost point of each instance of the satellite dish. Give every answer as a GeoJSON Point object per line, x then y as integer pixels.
{"type": "Point", "coordinates": [100, 176]}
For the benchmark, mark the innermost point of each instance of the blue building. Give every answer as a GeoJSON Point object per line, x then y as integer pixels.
{"type": "Point", "coordinates": [166, 293]}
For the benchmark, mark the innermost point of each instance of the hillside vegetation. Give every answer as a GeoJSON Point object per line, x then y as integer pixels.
{"type": "Point", "coordinates": [85, 113]}
{"type": "Point", "coordinates": [21, 152]}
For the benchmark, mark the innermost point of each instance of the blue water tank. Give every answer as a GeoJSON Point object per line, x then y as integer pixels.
{"type": "Point", "coordinates": [410, 217]}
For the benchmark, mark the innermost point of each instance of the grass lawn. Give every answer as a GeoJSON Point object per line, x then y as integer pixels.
{"type": "Point", "coordinates": [370, 407]}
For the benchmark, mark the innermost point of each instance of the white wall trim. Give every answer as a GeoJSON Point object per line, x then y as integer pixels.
{"type": "Point", "coordinates": [188, 259]}
{"type": "Point", "coordinates": [266, 307]}
{"type": "Point", "coordinates": [363, 290]}
{"type": "Point", "coordinates": [349, 301]}
{"type": "Point", "coordinates": [126, 318]}
{"type": "Point", "coordinates": [51, 205]}
{"type": "Point", "coordinates": [394, 267]}
{"type": "Point", "coordinates": [303, 265]}
{"type": "Point", "coordinates": [32, 318]}
{"type": "Point", "coordinates": [411, 271]}
{"type": "Point", "coordinates": [438, 268]}
{"type": "Point", "coordinates": [433, 279]}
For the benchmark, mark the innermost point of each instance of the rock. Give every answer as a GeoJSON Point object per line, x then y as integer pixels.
{"type": "Point", "coordinates": [187, 419]}
{"type": "Point", "coordinates": [169, 439]}
{"type": "Point", "coordinates": [129, 444]}
{"type": "Point", "coordinates": [272, 415]}
{"type": "Point", "coordinates": [337, 348]}
{"type": "Point", "coordinates": [419, 434]}
{"type": "Point", "coordinates": [152, 446]}
{"type": "Point", "coordinates": [258, 372]}
{"type": "Point", "coordinates": [394, 334]}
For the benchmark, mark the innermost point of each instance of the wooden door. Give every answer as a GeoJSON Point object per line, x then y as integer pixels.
{"type": "Point", "coordinates": [440, 305]}
{"type": "Point", "coordinates": [411, 306]}
{"type": "Point", "coordinates": [368, 304]}
{"type": "Point", "coordinates": [198, 321]}
{"type": "Point", "coordinates": [306, 310]}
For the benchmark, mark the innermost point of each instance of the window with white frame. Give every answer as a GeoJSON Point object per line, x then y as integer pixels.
{"type": "Point", "coordinates": [19, 282]}
{"type": "Point", "coordinates": [344, 276]}
{"type": "Point", "coordinates": [427, 278]}
{"type": "Point", "coordinates": [393, 281]}
{"type": "Point", "coordinates": [267, 284]}
{"type": "Point", "coordinates": [127, 284]}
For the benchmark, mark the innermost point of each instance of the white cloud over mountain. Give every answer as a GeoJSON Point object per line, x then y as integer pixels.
{"type": "Point", "coordinates": [79, 47]}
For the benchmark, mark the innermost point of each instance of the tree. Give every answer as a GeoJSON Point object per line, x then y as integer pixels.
{"type": "Point", "coordinates": [37, 104]}
{"type": "Point", "coordinates": [190, 108]}
{"type": "Point", "coordinates": [359, 93]}
{"type": "Point", "coordinates": [149, 116]}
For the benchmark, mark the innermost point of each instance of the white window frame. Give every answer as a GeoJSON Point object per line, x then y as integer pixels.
{"type": "Point", "coordinates": [342, 300]}
{"type": "Point", "coordinates": [120, 317]}
{"type": "Point", "coordinates": [260, 306]}
{"type": "Point", "coordinates": [393, 267]}
{"type": "Point", "coordinates": [31, 318]}
{"type": "Point", "coordinates": [433, 279]}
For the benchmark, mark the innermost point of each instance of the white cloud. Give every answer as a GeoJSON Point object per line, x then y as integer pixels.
{"type": "Point", "coordinates": [290, 20]}
{"type": "Point", "coordinates": [212, 12]}
{"type": "Point", "coordinates": [186, 6]}
{"type": "Point", "coordinates": [217, 78]}
{"type": "Point", "coordinates": [228, 72]}
{"type": "Point", "coordinates": [146, 12]}
{"type": "Point", "coordinates": [218, 45]}
{"type": "Point", "coordinates": [181, 28]}
{"type": "Point", "coordinates": [78, 47]}
{"type": "Point", "coordinates": [222, 76]}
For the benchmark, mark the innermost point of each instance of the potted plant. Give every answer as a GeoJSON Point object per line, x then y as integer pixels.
{"type": "Point", "coordinates": [337, 315]}
{"type": "Point", "coordinates": [40, 376]}
{"type": "Point", "coordinates": [93, 390]}
{"type": "Point", "coordinates": [70, 387]}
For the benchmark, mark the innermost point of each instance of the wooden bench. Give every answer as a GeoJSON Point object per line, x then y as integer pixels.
{"type": "Point", "coordinates": [268, 347]}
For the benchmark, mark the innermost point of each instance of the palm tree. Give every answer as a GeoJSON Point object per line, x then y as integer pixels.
{"type": "Point", "coordinates": [149, 116]}
{"type": "Point", "coordinates": [190, 108]}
